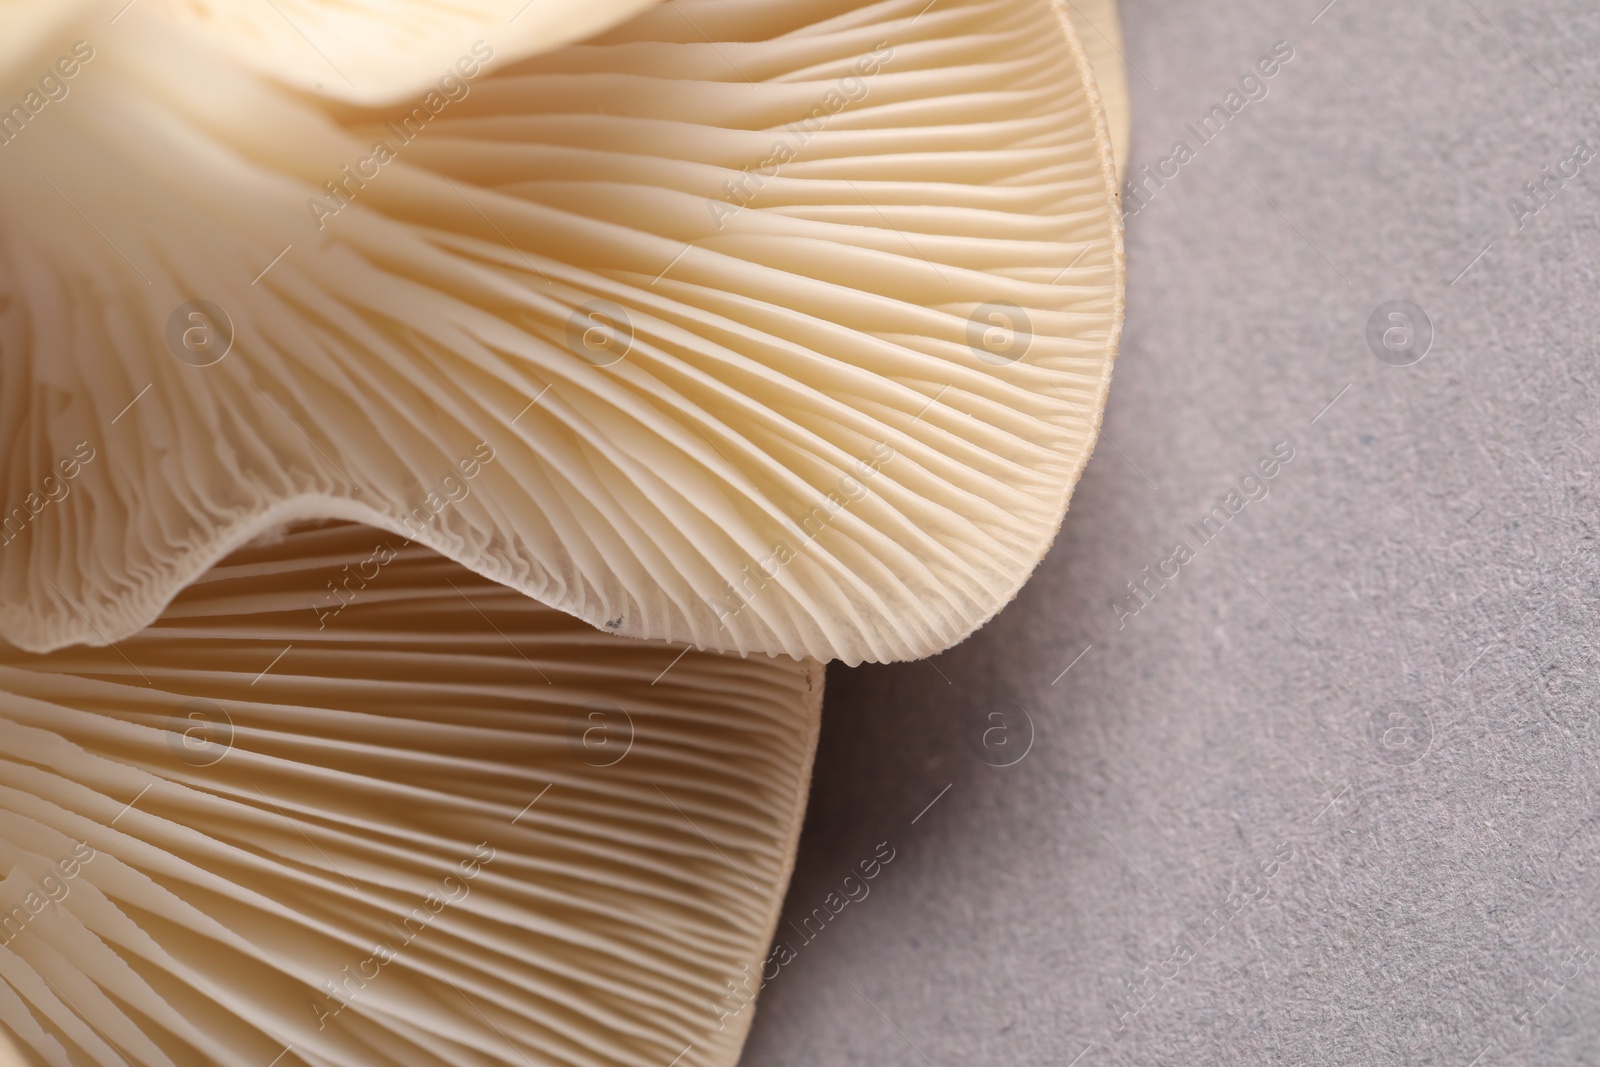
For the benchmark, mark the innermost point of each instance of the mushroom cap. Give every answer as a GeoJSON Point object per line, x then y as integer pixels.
{"type": "Point", "coordinates": [786, 326]}
{"type": "Point", "coordinates": [1099, 27]}
{"type": "Point", "coordinates": [379, 51]}
{"type": "Point", "coordinates": [444, 825]}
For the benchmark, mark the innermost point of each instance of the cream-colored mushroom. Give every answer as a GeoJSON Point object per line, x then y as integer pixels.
{"type": "Point", "coordinates": [761, 326]}
{"type": "Point", "coordinates": [348, 803]}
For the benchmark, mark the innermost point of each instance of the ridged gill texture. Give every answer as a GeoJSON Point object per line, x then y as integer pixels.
{"type": "Point", "coordinates": [346, 803]}
{"type": "Point", "coordinates": [761, 325]}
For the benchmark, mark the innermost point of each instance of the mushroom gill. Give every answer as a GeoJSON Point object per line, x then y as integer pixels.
{"type": "Point", "coordinates": [347, 803]}
{"type": "Point", "coordinates": [768, 325]}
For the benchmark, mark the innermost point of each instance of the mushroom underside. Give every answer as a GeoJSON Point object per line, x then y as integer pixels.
{"type": "Point", "coordinates": [347, 803]}
{"type": "Point", "coordinates": [760, 326]}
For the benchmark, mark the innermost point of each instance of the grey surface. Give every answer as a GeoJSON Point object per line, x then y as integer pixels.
{"type": "Point", "coordinates": [1430, 553]}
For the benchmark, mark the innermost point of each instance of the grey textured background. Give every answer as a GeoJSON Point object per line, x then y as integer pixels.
{"type": "Point", "coordinates": [1388, 663]}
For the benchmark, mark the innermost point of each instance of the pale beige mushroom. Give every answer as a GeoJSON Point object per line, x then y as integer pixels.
{"type": "Point", "coordinates": [763, 326]}
{"type": "Point", "coordinates": [787, 325]}
{"type": "Point", "coordinates": [348, 803]}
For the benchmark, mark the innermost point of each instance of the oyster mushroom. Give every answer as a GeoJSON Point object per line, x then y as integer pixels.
{"type": "Point", "coordinates": [786, 326]}
{"type": "Point", "coordinates": [443, 825]}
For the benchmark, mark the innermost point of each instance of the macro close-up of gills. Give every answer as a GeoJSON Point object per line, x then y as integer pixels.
{"type": "Point", "coordinates": [444, 443]}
